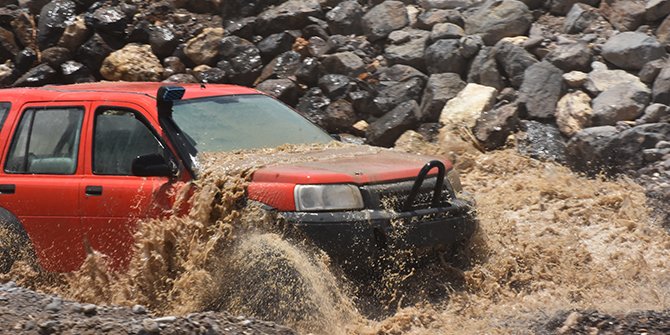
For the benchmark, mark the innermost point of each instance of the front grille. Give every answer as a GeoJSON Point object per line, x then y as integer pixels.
{"type": "Point", "coordinates": [392, 196]}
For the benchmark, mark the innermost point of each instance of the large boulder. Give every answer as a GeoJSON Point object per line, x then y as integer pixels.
{"type": "Point", "coordinates": [573, 113]}
{"type": "Point", "coordinates": [53, 19]}
{"type": "Point", "coordinates": [632, 50]}
{"type": "Point", "coordinates": [445, 56]}
{"type": "Point", "coordinates": [656, 9]}
{"type": "Point", "coordinates": [391, 96]}
{"type": "Point", "coordinates": [497, 19]}
{"type": "Point", "coordinates": [484, 69]}
{"type": "Point", "coordinates": [93, 52]}
{"type": "Point", "coordinates": [283, 89]}
{"type": "Point", "coordinates": [387, 129]}
{"type": "Point", "coordinates": [624, 15]}
{"type": "Point", "coordinates": [494, 126]}
{"type": "Point", "coordinates": [623, 102]}
{"type": "Point", "coordinates": [562, 7]}
{"type": "Point", "coordinates": [292, 14]}
{"type": "Point", "coordinates": [541, 88]}
{"type": "Point", "coordinates": [441, 87]}
{"type": "Point", "coordinates": [514, 60]}
{"type": "Point", "coordinates": [132, 63]}
{"type": "Point", "coordinates": [661, 88]}
{"type": "Point", "coordinates": [579, 18]}
{"type": "Point", "coordinates": [601, 78]}
{"type": "Point", "coordinates": [627, 148]}
{"type": "Point", "coordinates": [411, 51]}
{"type": "Point", "coordinates": [347, 63]}
{"type": "Point", "coordinates": [384, 18]}
{"type": "Point", "coordinates": [345, 18]}
{"type": "Point", "coordinates": [586, 149]}
{"type": "Point", "coordinates": [571, 57]}
{"type": "Point", "coordinates": [241, 60]}
{"type": "Point", "coordinates": [204, 48]}
{"type": "Point", "coordinates": [468, 106]}
{"type": "Point", "coordinates": [40, 75]}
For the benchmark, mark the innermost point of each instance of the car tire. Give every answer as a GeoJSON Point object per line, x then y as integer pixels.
{"type": "Point", "coordinates": [14, 242]}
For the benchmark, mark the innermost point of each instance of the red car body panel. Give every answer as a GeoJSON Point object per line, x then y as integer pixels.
{"type": "Point", "coordinates": [62, 220]}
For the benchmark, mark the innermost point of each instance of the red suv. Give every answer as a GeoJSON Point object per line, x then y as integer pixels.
{"type": "Point", "coordinates": [81, 163]}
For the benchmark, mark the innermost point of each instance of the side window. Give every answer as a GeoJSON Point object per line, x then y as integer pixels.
{"type": "Point", "coordinates": [119, 138]}
{"type": "Point", "coordinates": [4, 110]}
{"type": "Point", "coordinates": [46, 142]}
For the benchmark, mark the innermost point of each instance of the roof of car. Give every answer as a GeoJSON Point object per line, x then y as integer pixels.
{"type": "Point", "coordinates": [144, 88]}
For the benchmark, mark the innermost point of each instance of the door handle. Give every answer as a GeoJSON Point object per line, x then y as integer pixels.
{"type": "Point", "coordinates": [7, 189]}
{"type": "Point", "coordinates": [94, 190]}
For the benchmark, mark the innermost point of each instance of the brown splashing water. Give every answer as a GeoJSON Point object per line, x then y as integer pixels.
{"type": "Point", "coordinates": [550, 240]}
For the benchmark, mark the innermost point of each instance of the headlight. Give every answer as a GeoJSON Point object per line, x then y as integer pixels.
{"type": "Point", "coordinates": [327, 197]}
{"type": "Point", "coordinates": [455, 180]}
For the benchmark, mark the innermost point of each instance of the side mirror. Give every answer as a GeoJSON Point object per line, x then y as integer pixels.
{"type": "Point", "coordinates": [152, 165]}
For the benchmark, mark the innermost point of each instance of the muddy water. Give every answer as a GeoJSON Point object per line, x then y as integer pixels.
{"type": "Point", "coordinates": [550, 240]}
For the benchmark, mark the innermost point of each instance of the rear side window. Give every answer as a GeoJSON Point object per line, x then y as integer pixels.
{"type": "Point", "coordinates": [46, 142]}
{"type": "Point", "coordinates": [4, 110]}
{"type": "Point", "coordinates": [120, 137]}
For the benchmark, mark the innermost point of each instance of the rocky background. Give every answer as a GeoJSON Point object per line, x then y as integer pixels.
{"type": "Point", "coordinates": [586, 82]}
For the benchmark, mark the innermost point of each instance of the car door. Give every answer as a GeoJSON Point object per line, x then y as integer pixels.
{"type": "Point", "coordinates": [40, 181]}
{"type": "Point", "coordinates": [113, 199]}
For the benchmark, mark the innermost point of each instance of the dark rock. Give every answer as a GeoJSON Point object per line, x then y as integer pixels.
{"type": "Point", "coordinates": [201, 6]}
{"type": "Point", "coordinates": [440, 88]}
{"type": "Point", "coordinates": [313, 105]}
{"type": "Point", "coordinates": [571, 57]}
{"type": "Point", "coordinates": [445, 56]}
{"type": "Point", "coordinates": [655, 113]}
{"type": "Point", "coordinates": [624, 15]}
{"type": "Point", "coordinates": [542, 87]}
{"type": "Point", "coordinates": [446, 4]}
{"type": "Point", "coordinates": [446, 31]}
{"type": "Point", "coordinates": [244, 59]}
{"type": "Point", "coordinates": [275, 44]}
{"type": "Point", "coordinates": [34, 6]}
{"type": "Point", "coordinates": [470, 45]}
{"type": "Point", "coordinates": [514, 60]}
{"type": "Point", "coordinates": [561, 7]}
{"type": "Point", "coordinates": [384, 18]}
{"type": "Point", "coordinates": [109, 20]}
{"type": "Point", "coordinates": [494, 126]}
{"type": "Point", "coordinates": [283, 66]}
{"type": "Point", "coordinates": [75, 72]}
{"type": "Point", "coordinates": [347, 63]}
{"type": "Point", "coordinates": [410, 52]}
{"type": "Point", "coordinates": [181, 78]}
{"type": "Point", "coordinates": [244, 28]}
{"type": "Point", "coordinates": [315, 30]}
{"type": "Point", "coordinates": [387, 129]}
{"type": "Point", "coordinates": [283, 89]}
{"type": "Point", "coordinates": [631, 50]}
{"type": "Point", "coordinates": [401, 73]}
{"type": "Point", "coordinates": [244, 8]}
{"type": "Point", "coordinates": [139, 32]}
{"type": "Point", "coordinates": [429, 18]}
{"type": "Point", "coordinates": [497, 19]}
{"type": "Point", "coordinates": [661, 88]}
{"type": "Point", "coordinates": [484, 69]}
{"type": "Point", "coordinates": [318, 47]}
{"type": "Point", "coordinates": [580, 18]}
{"type": "Point", "coordinates": [208, 74]}
{"type": "Point", "coordinates": [40, 75]}
{"type": "Point", "coordinates": [335, 86]}
{"type": "Point", "coordinates": [586, 149]}
{"type": "Point", "coordinates": [390, 97]}
{"type": "Point", "coordinates": [25, 59]}
{"type": "Point", "coordinates": [55, 56]}
{"type": "Point", "coordinates": [173, 65]}
{"type": "Point", "coordinates": [356, 44]}
{"type": "Point", "coordinates": [93, 52]}
{"type": "Point", "coordinates": [309, 71]}
{"type": "Point", "coordinates": [24, 29]}
{"type": "Point", "coordinates": [163, 41]}
{"type": "Point", "coordinates": [53, 18]}
{"type": "Point", "coordinates": [360, 100]}
{"type": "Point", "coordinates": [292, 14]}
{"type": "Point", "coordinates": [345, 18]}
{"type": "Point", "coordinates": [650, 71]}
{"type": "Point", "coordinates": [622, 102]}
{"type": "Point", "coordinates": [627, 147]}
{"type": "Point", "coordinates": [656, 10]}
{"type": "Point", "coordinates": [340, 117]}
{"type": "Point", "coordinates": [541, 141]}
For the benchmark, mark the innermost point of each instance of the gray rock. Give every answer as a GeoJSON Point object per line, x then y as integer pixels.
{"type": "Point", "coordinates": [283, 89]}
{"type": "Point", "coordinates": [275, 44]}
{"type": "Point", "coordinates": [579, 18]}
{"type": "Point", "coordinates": [624, 15]}
{"type": "Point", "coordinates": [163, 41]}
{"type": "Point", "coordinates": [627, 148]}
{"type": "Point", "coordinates": [542, 87]}
{"type": "Point", "coordinates": [89, 309]}
{"type": "Point", "coordinates": [309, 71]}
{"type": "Point", "coordinates": [345, 18]}
{"type": "Point", "coordinates": [497, 19]}
{"type": "Point", "coordinates": [313, 105]}
{"type": "Point", "coordinates": [445, 56]}
{"type": "Point", "coordinates": [601, 79]}
{"type": "Point", "coordinates": [335, 86]}
{"type": "Point", "coordinates": [384, 18]}
{"type": "Point", "coordinates": [347, 63]}
{"type": "Point", "coordinates": [571, 57]}
{"type": "Point", "coordinates": [575, 79]}
{"type": "Point", "coordinates": [387, 129]}
{"type": "Point", "coordinates": [494, 126]}
{"type": "Point", "coordinates": [655, 113]}
{"type": "Point", "coordinates": [40, 75]}
{"type": "Point", "coordinates": [340, 117]}
{"type": "Point", "coordinates": [661, 88]}
{"type": "Point", "coordinates": [540, 141]}
{"type": "Point", "coordinates": [440, 88]}
{"type": "Point", "coordinates": [429, 18]}
{"type": "Point", "coordinates": [53, 19]}
{"type": "Point", "coordinates": [514, 60]}
{"type": "Point", "coordinates": [446, 30]}
{"type": "Point", "coordinates": [484, 69]}
{"type": "Point", "coordinates": [657, 9]}
{"type": "Point", "coordinates": [390, 97]}
{"type": "Point", "coordinates": [470, 45]}
{"type": "Point", "coordinates": [55, 305]}
{"type": "Point", "coordinates": [283, 66]}
{"type": "Point", "coordinates": [586, 149]}
{"type": "Point", "coordinates": [181, 78]}
{"type": "Point", "coordinates": [663, 32]}
{"type": "Point", "coordinates": [401, 72]}
{"type": "Point", "coordinates": [445, 4]}
{"type": "Point", "coordinates": [562, 7]}
{"type": "Point", "coordinates": [139, 309]}
{"type": "Point", "coordinates": [74, 72]}
{"type": "Point", "coordinates": [109, 20]}
{"type": "Point", "coordinates": [150, 326]}
{"type": "Point", "coordinates": [623, 102]}
{"type": "Point", "coordinates": [650, 71]}
{"type": "Point", "coordinates": [631, 50]}
{"type": "Point", "coordinates": [411, 52]}
{"type": "Point", "coordinates": [242, 60]}
{"type": "Point", "coordinates": [292, 14]}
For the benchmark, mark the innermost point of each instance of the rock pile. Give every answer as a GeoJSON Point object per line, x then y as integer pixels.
{"type": "Point", "coordinates": [586, 81]}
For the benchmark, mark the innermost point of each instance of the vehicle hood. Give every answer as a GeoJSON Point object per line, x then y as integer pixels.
{"type": "Point", "coordinates": [367, 168]}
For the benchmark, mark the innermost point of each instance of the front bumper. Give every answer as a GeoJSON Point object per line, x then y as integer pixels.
{"type": "Point", "coordinates": [367, 233]}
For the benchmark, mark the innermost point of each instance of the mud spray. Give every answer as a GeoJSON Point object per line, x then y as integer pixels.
{"type": "Point", "coordinates": [550, 240]}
